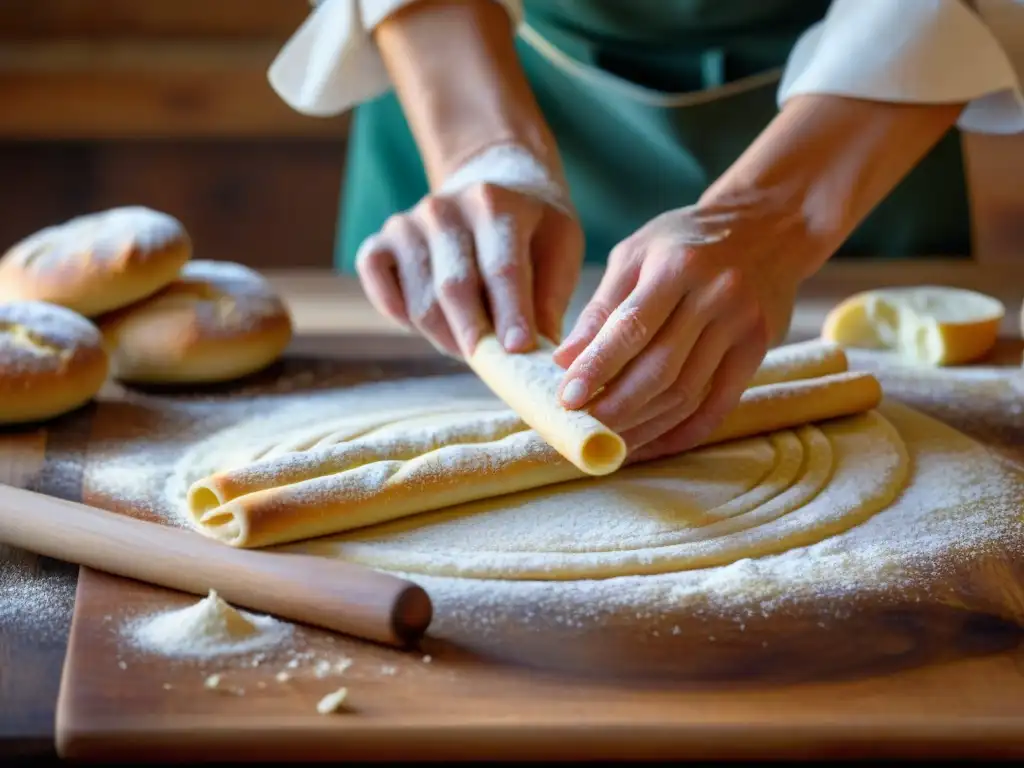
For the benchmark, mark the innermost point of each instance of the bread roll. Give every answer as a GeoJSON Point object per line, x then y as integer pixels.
{"type": "Point", "coordinates": [52, 361]}
{"type": "Point", "coordinates": [217, 322]}
{"type": "Point", "coordinates": [97, 262]}
{"type": "Point", "coordinates": [924, 325]}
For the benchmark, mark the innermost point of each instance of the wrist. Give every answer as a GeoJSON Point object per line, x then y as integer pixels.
{"type": "Point", "coordinates": [457, 75]}
{"type": "Point", "coordinates": [824, 163]}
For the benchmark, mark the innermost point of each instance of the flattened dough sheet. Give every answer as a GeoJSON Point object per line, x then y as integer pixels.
{"type": "Point", "coordinates": [368, 469]}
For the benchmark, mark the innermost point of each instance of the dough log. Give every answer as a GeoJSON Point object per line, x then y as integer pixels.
{"type": "Point", "coordinates": [427, 463]}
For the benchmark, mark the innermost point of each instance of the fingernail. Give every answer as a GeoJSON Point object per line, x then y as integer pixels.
{"type": "Point", "coordinates": [575, 394]}
{"type": "Point", "coordinates": [516, 338]}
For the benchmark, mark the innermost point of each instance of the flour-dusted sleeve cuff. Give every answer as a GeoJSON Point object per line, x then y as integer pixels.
{"type": "Point", "coordinates": [918, 51]}
{"type": "Point", "coordinates": [331, 63]}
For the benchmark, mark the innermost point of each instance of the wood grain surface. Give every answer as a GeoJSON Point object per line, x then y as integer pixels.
{"type": "Point", "coordinates": [333, 319]}
{"type": "Point", "coordinates": [943, 679]}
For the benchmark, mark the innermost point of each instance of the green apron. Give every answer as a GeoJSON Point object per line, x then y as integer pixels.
{"type": "Point", "coordinates": [650, 101]}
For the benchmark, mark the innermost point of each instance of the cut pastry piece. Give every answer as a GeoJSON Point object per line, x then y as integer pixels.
{"type": "Point", "coordinates": [924, 325]}
{"type": "Point", "coordinates": [97, 262]}
{"type": "Point", "coordinates": [52, 361]}
{"type": "Point", "coordinates": [217, 322]}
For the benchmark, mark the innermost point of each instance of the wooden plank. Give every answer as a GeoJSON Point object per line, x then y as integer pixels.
{"type": "Point", "coordinates": [229, 194]}
{"type": "Point", "coordinates": [29, 19]}
{"type": "Point", "coordinates": [115, 705]}
{"type": "Point", "coordinates": [96, 90]}
{"type": "Point", "coordinates": [941, 680]}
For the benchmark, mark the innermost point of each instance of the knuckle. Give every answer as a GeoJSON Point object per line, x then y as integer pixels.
{"type": "Point", "coordinates": [453, 287]}
{"type": "Point", "coordinates": [506, 271]}
{"type": "Point", "coordinates": [660, 366]}
{"type": "Point", "coordinates": [623, 253]}
{"type": "Point", "coordinates": [490, 198]}
{"type": "Point", "coordinates": [629, 326]}
{"type": "Point", "coordinates": [426, 314]}
{"type": "Point", "coordinates": [434, 210]}
{"type": "Point", "coordinates": [683, 391]}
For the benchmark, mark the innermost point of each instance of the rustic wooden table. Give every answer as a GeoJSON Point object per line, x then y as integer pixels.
{"type": "Point", "coordinates": [333, 318]}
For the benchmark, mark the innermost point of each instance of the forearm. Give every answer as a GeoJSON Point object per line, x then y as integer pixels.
{"type": "Point", "coordinates": [456, 73]}
{"type": "Point", "coordinates": [830, 160]}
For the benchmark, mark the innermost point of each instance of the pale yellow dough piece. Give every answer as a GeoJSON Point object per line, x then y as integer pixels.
{"type": "Point", "coordinates": [924, 325]}
{"type": "Point", "coordinates": [528, 383]}
{"type": "Point", "coordinates": [363, 470]}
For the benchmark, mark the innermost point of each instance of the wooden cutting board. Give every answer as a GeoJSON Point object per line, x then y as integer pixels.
{"type": "Point", "coordinates": [925, 684]}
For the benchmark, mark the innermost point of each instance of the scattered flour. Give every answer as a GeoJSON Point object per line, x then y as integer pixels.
{"type": "Point", "coordinates": [36, 603]}
{"type": "Point", "coordinates": [208, 628]}
{"type": "Point", "coordinates": [966, 510]}
{"type": "Point", "coordinates": [332, 702]}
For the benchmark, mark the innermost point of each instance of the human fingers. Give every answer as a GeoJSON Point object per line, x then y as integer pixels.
{"type": "Point", "coordinates": [503, 222]}
{"type": "Point", "coordinates": [671, 375]}
{"type": "Point", "coordinates": [409, 245]}
{"type": "Point", "coordinates": [737, 368]}
{"type": "Point", "coordinates": [456, 280]}
{"type": "Point", "coordinates": [377, 268]}
{"type": "Point", "coordinates": [663, 282]}
{"type": "Point", "coordinates": [557, 254]}
{"type": "Point", "coordinates": [618, 280]}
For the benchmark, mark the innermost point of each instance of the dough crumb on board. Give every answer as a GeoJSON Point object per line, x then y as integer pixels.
{"type": "Point", "coordinates": [332, 702]}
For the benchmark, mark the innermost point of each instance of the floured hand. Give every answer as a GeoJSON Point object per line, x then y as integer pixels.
{"type": "Point", "coordinates": [679, 324]}
{"type": "Point", "coordinates": [484, 255]}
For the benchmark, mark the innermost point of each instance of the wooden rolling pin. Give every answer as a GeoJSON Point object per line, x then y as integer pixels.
{"type": "Point", "coordinates": [332, 594]}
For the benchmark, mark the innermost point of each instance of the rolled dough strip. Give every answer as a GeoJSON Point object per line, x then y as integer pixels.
{"type": "Point", "coordinates": [802, 360]}
{"type": "Point", "coordinates": [528, 384]}
{"type": "Point", "coordinates": [302, 495]}
{"type": "Point", "coordinates": [794, 403]}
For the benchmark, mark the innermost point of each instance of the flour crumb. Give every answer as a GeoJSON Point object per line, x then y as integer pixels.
{"type": "Point", "coordinates": [213, 681]}
{"type": "Point", "coordinates": [168, 686]}
{"type": "Point", "coordinates": [387, 669]}
{"type": "Point", "coordinates": [342, 665]}
{"type": "Point", "coordinates": [282, 677]}
{"type": "Point", "coordinates": [332, 702]}
{"type": "Point", "coordinates": [208, 628]}
{"type": "Point", "coordinates": [427, 659]}
{"type": "Point", "coordinates": [122, 665]}
{"type": "Point", "coordinates": [322, 668]}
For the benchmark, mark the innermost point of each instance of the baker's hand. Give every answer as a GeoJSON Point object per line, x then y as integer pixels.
{"type": "Point", "coordinates": [679, 324]}
{"type": "Point", "coordinates": [486, 257]}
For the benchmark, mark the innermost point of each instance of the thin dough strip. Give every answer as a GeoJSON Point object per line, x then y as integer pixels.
{"type": "Point", "coordinates": [528, 384]}
{"type": "Point", "coordinates": [802, 360]}
{"type": "Point", "coordinates": [327, 502]}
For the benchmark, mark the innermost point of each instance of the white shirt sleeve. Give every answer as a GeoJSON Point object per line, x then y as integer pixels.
{"type": "Point", "coordinates": [918, 51]}
{"type": "Point", "coordinates": [331, 63]}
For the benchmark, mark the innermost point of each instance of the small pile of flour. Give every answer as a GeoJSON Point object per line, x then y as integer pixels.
{"type": "Point", "coordinates": [208, 628]}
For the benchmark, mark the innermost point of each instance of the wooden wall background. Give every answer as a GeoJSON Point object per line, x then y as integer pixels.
{"type": "Point", "coordinates": [165, 103]}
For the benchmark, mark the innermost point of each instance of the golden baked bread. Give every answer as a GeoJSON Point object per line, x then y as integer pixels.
{"type": "Point", "coordinates": [52, 361]}
{"type": "Point", "coordinates": [924, 325]}
{"type": "Point", "coordinates": [97, 262]}
{"type": "Point", "coordinates": [217, 322]}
